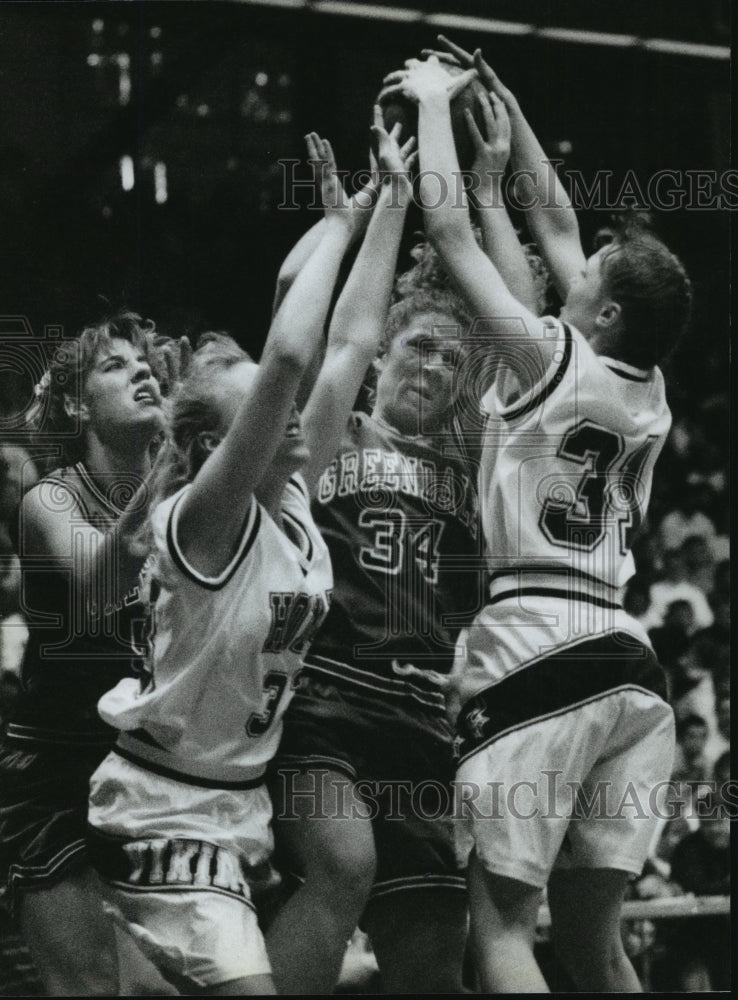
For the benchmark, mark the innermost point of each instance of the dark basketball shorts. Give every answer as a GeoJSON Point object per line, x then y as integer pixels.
{"type": "Point", "coordinates": [399, 756]}
{"type": "Point", "coordinates": [43, 813]}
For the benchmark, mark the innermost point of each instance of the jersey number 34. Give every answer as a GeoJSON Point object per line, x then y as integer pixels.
{"type": "Point", "coordinates": [611, 489]}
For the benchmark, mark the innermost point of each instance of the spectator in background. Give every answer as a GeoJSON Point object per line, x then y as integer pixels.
{"type": "Point", "coordinates": [690, 762]}
{"type": "Point", "coordinates": [675, 586]}
{"type": "Point", "coordinates": [671, 639]}
{"type": "Point", "coordinates": [701, 947]}
{"type": "Point", "coordinates": [18, 474]}
{"type": "Point", "coordinates": [692, 688]}
{"type": "Point", "coordinates": [699, 562]}
{"type": "Point", "coordinates": [712, 645]}
{"type": "Point", "coordinates": [687, 518]}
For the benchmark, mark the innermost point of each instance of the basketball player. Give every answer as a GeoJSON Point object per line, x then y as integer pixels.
{"type": "Point", "coordinates": [560, 688]}
{"type": "Point", "coordinates": [100, 402]}
{"type": "Point", "coordinates": [239, 583]}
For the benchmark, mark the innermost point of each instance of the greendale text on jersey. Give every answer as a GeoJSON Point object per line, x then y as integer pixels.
{"type": "Point", "coordinates": [399, 515]}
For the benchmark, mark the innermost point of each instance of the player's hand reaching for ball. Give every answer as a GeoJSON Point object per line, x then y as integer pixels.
{"type": "Point", "coordinates": [393, 162]}
{"type": "Point", "coordinates": [491, 152]}
{"type": "Point", "coordinates": [171, 363]}
{"type": "Point", "coordinates": [456, 56]}
{"type": "Point", "coordinates": [337, 205]}
{"type": "Point", "coordinates": [426, 81]}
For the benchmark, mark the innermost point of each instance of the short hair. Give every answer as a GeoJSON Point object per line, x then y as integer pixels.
{"type": "Point", "coordinates": [651, 286]}
{"type": "Point", "coordinates": [691, 721]}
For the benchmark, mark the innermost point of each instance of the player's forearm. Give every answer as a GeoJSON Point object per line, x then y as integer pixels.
{"type": "Point", "coordinates": [296, 260]}
{"type": "Point", "coordinates": [539, 190]}
{"type": "Point", "coordinates": [502, 246]}
{"type": "Point", "coordinates": [297, 329]}
{"type": "Point", "coordinates": [443, 215]}
{"type": "Point", "coordinates": [361, 311]}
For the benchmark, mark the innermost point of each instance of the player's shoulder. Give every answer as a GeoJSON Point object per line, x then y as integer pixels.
{"type": "Point", "coordinates": [57, 494]}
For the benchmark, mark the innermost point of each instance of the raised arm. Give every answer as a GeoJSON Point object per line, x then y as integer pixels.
{"type": "Point", "coordinates": [361, 312]}
{"type": "Point", "coordinates": [359, 211]}
{"type": "Point", "coordinates": [214, 509]}
{"type": "Point", "coordinates": [551, 217]}
{"type": "Point", "coordinates": [502, 318]}
{"type": "Point", "coordinates": [499, 239]}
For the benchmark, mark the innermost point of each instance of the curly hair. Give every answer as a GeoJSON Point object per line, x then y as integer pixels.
{"type": "Point", "coordinates": [69, 365]}
{"type": "Point", "coordinates": [428, 272]}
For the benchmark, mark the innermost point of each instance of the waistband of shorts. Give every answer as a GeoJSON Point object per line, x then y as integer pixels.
{"type": "Point", "coordinates": [556, 683]}
{"type": "Point", "coordinates": [564, 583]}
{"type": "Point", "coordinates": [423, 687]}
{"type": "Point", "coordinates": [152, 758]}
{"type": "Point", "coordinates": [30, 735]}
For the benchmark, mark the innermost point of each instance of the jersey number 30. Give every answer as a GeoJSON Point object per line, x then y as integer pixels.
{"type": "Point", "coordinates": [577, 513]}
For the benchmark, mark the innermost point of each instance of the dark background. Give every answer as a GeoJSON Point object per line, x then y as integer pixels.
{"type": "Point", "coordinates": [218, 92]}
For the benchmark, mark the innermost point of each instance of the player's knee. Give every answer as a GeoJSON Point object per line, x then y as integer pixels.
{"type": "Point", "coordinates": [345, 867]}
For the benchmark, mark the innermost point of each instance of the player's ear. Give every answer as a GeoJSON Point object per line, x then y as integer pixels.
{"type": "Point", "coordinates": [609, 315]}
{"type": "Point", "coordinates": [76, 409]}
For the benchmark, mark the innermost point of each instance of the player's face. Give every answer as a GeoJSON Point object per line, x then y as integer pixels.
{"type": "Point", "coordinates": [120, 393]}
{"type": "Point", "coordinates": [236, 383]}
{"type": "Point", "coordinates": [586, 294]}
{"type": "Point", "coordinates": [416, 375]}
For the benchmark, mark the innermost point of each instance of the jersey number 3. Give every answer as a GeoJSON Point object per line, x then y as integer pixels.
{"type": "Point", "coordinates": [274, 686]}
{"type": "Point", "coordinates": [577, 513]}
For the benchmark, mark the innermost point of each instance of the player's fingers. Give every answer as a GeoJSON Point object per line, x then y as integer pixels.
{"type": "Point", "coordinates": [411, 159]}
{"type": "Point", "coordinates": [461, 81]}
{"type": "Point", "coordinates": [444, 57]}
{"type": "Point", "coordinates": [396, 76]}
{"type": "Point", "coordinates": [378, 117]}
{"type": "Point", "coordinates": [476, 136]}
{"type": "Point", "coordinates": [488, 113]}
{"type": "Point", "coordinates": [395, 90]}
{"type": "Point", "coordinates": [396, 131]}
{"type": "Point", "coordinates": [167, 369]}
{"type": "Point", "coordinates": [408, 146]}
{"type": "Point", "coordinates": [464, 57]}
{"type": "Point", "coordinates": [412, 63]}
{"type": "Point", "coordinates": [504, 128]}
{"type": "Point", "coordinates": [185, 356]}
{"type": "Point", "coordinates": [330, 158]}
{"type": "Point", "coordinates": [312, 148]}
{"type": "Point", "coordinates": [486, 74]}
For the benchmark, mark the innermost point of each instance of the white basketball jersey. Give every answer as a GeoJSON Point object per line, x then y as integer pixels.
{"type": "Point", "coordinates": [566, 471]}
{"type": "Point", "coordinates": [224, 652]}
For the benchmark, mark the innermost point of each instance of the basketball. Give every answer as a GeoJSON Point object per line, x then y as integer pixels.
{"type": "Point", "coordinates": [399, 109]}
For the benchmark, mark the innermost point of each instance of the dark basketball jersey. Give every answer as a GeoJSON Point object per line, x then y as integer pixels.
{"type": "Point", "coordinates": [400, 516]}
{"type": "Point", "coordinates": [70, 661]}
